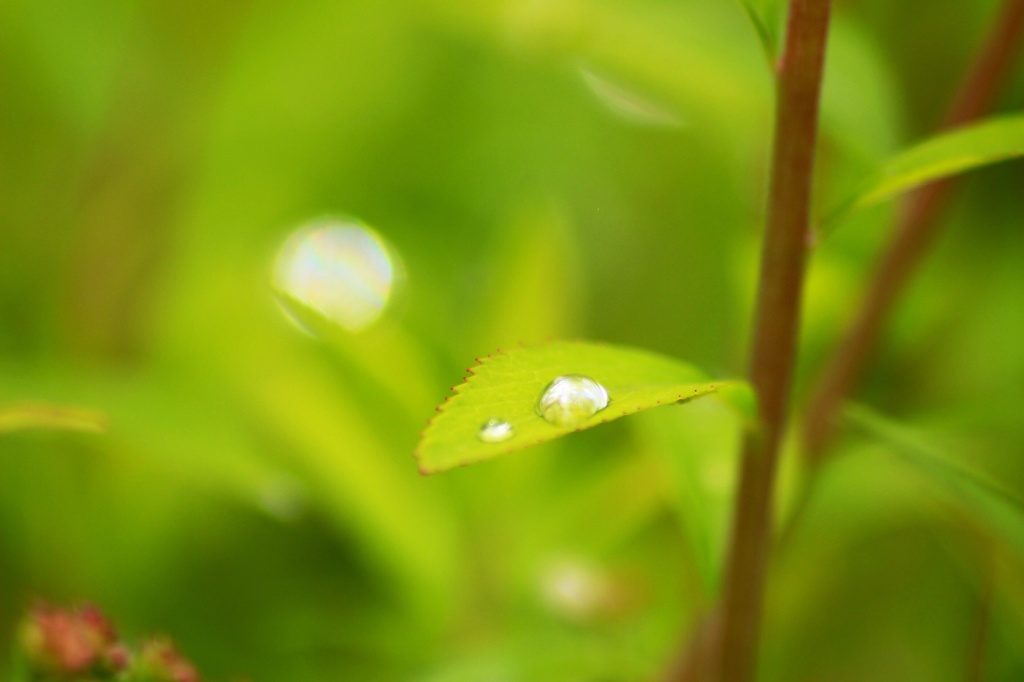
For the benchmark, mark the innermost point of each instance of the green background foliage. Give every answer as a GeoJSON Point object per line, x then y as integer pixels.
{"type": "Point", "coordinates": [251, 489]}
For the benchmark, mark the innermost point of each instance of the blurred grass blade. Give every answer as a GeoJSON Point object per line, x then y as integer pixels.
{"type": "Point", "coordinates": [403, 377]}
{"type": "Point", "coordinates": [507, 386]}
{"type": "Point", "coordinates": [697, 448]}
{"type": "Point", "coordinates": [945, 155]}
{"type": "Point", "coordinates": [765, 16]}
{"type": "Point", "coordinates": [533, 258]}
{"type": "Point", "coordinates": [25, 416]}
{"type": "Point", "coordinates": [343, 441]}
{"type": "Point", "coordinates": [361, 486]}
{"type": "Point", "coordinates": [144, 413]}
{"type": "Point", "coordinates": [684, 55]}
{"type": "Point", "coordinates": [860, 104]}
{"type": "Point", "coordinates": [988, 502]}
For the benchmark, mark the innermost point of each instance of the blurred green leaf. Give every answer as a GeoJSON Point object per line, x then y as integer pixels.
{"type": "Point", "coordinates": [994, 506]}
{"type": "Point", "coordinates": [391, 359]}
{"type": "Point", "coordinates": [564, 518]}
{"type": "Point", "coordinates": [689, 57]}
{"type": "Point", "coordinates": [507, 386]}
{"type": "Point", "coordinates": [356, 467]}
{"type": "Point", "coordinates": [942, 156]}
{"type": "Point", "coordinates": [685, 54]}
{"type": "Point", "coordinates": [534, 291]}
{"type": "Point", "coordinates": [48, 416]}
{"type": "Point", "coordinates": [860, 101]}
{"type": "Point", "coordinates": [698, 447]}
{"type": "Point", "coordinates": [146, 412]}
{"type": "Point", "coordinates": [766, 17]}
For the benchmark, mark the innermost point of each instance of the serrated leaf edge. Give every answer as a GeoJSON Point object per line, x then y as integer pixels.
{"type": "Point", "coordinates": [456, 390]}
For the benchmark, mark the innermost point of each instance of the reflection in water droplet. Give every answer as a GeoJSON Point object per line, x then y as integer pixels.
{"type": "Point", "coordinates": [627, 104]}
{"type": "Point", "coordinates": [570, 400]}
{"type": "Point", "coordinates": [339, 268]}
{"type": "Point", "coordinates": [495, 430]}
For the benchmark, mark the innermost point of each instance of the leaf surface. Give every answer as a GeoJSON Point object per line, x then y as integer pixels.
{"type": "Point", "coordinates": [507, 386]}
{"type": "Point", "coordinates": [942, 156]}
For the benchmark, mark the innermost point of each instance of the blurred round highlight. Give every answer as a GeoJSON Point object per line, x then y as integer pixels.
{"type": "Point", "coordinates": [339, 268]}
{"type": "Point", "coordinates": [577, 590]}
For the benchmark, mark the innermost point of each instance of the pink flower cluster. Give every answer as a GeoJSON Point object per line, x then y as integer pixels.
{"type": "Point", "coordinates": [81, 643]}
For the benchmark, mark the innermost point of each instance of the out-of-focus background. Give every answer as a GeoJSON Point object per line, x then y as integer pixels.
{"type": "Point", "coordinates": [472, 175]}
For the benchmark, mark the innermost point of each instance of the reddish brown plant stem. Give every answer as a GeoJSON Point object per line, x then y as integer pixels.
{"type": "Point", "coordinates": [776, 324]}
{"type": "Point", "coordinates": [979, 637]}
{"type": "Point", "coordinates": [697, 662]}
{"type": "Point", "coordinates": [914, 234]}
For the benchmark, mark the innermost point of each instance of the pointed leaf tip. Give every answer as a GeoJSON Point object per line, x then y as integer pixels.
{"type": "Point", "coordinates": [950, 153]}
{"type": "Point", "coordinates": [499, 409]}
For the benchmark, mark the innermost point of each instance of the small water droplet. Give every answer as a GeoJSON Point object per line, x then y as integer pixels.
{"type": "Point", "coordinates": [495, 430]}
{"type": "Point", "coordinates": [570, 400]}
{"type": "Point", "coordinates": [338, 267]}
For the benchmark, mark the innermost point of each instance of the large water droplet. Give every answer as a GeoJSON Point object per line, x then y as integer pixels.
{"type": "Point", "coordinates": [340, 268]}
{"type": "Point", "coordinates": [495, 430]}
{"type": "Point", "coordinates": [570, 400]}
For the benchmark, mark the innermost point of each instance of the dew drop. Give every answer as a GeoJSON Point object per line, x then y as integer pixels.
{"type": "Point", "coordinates": [338, 267]}
{"type": "Point", "coordinates": [495, 430]}
{"type": "Point", "coordinates": [570, 400]}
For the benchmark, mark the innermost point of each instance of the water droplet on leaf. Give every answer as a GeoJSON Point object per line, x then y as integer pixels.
{"type": "Point", "coordinates": [343, 270]}
{"type": "Point", "coordinates": [495, 430]}
{"type": "Point", "coordinates": [570, 400]}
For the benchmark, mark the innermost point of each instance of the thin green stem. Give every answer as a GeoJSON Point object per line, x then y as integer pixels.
{"type": "Point", "coordinates": [776, 325]}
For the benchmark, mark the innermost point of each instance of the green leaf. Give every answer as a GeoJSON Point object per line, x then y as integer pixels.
{"type": "Point", "coordinates": [945, 155]}
{"type": "Point", "coordinates": [507, 386]}
{"type": "Point", "coordinates": [23, 416]}
{"type": "Point", "coordinates": [990, 503]}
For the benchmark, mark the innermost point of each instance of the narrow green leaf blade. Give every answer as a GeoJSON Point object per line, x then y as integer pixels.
{"type": "Point", "coordinates": [945, 155]}
{"type": "Point", "coordinates": [990, 503]}
{"type": "Point", "coordinates": [24, 416]}
{"type": "Point", "coordinates": [765, 16]}
{"type": "Point", "coordinates": [507, 386]}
